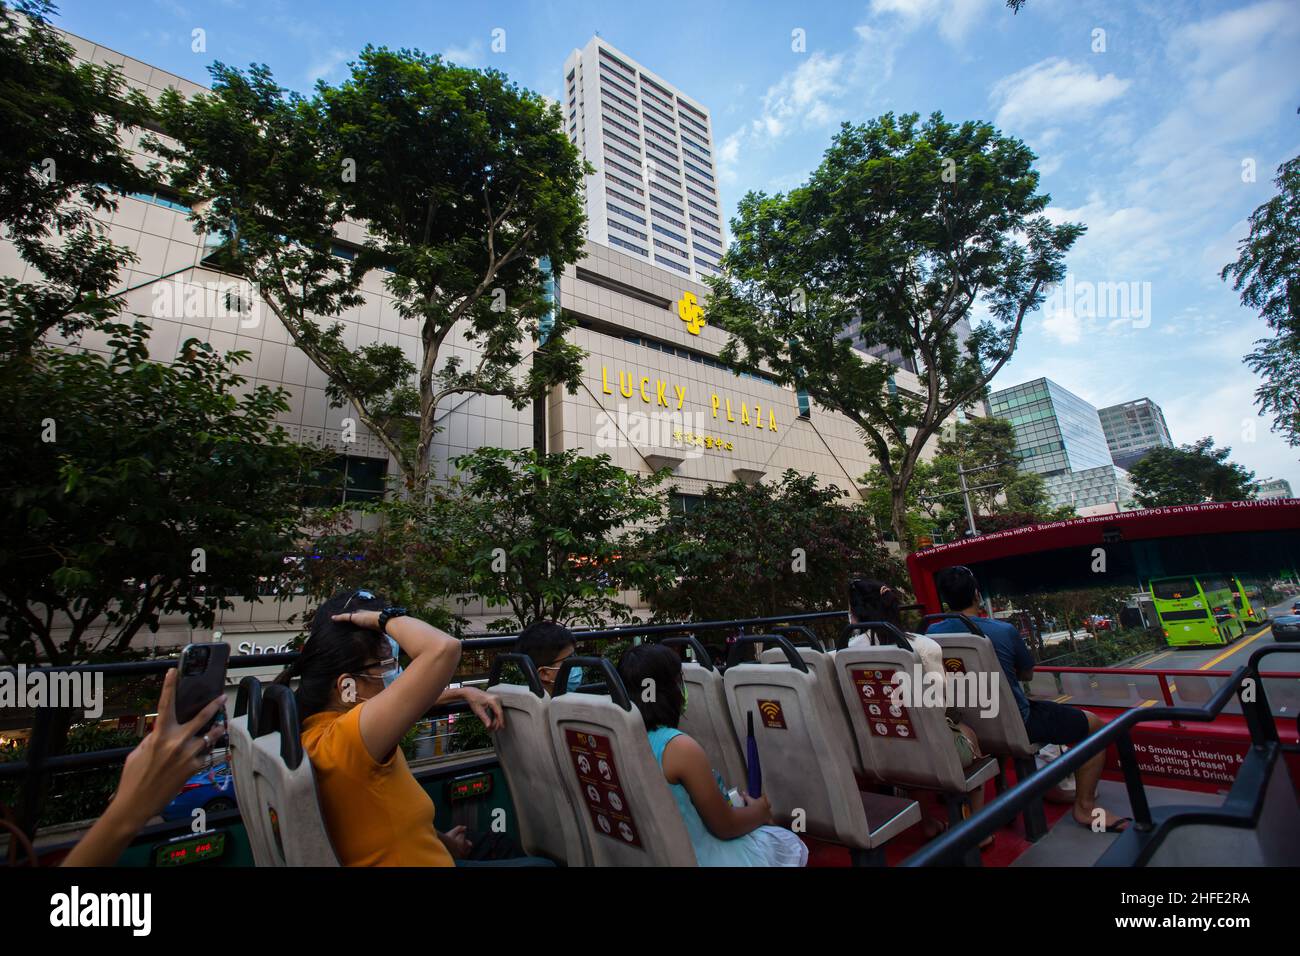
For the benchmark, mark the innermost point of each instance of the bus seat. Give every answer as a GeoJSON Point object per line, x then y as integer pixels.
{"type": "Point", "coordinates": [285, 796]}
{"type": "Point", "coordinates": [834, 713]}
{"type": "Point", "coordinates": [240, 730]}
{"type": "Point", "coordinates": [627, 812]}
{"type": "Point", "coordinates": [808, 774]}
{"type": "Point", "coordinates": [907, 745]}
{"type": "Point", "coordinates": [708, 718]}
{"type": "Point", "coordinates": [1003, 735]}
{"type": "Point", "coordinates": [548, 825]}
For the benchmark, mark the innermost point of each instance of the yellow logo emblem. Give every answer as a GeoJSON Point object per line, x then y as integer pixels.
{"type": "Point", "coordinates": [691, 312]}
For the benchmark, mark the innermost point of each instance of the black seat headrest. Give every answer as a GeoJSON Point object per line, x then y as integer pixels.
{"type": "Point", "coordinates": [524, 663]}
{"type": "Point", "coordinates": [279, 713]}
{"type": "Point", "coordinates": [613, 683]}
{"type": "Point", "coordinates": [248, 700]}
{"type": "Point", "coordinates": [891, 634]}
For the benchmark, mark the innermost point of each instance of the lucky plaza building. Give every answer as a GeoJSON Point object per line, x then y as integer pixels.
{"type": "Point", "coordinates": [653, 393]}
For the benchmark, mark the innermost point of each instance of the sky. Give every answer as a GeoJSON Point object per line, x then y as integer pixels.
{"type": "Point", "coordinates": [1159, 125]}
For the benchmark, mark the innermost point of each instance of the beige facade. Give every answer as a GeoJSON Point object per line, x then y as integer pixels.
{"type": "Point", "coordinates": [654, 392]}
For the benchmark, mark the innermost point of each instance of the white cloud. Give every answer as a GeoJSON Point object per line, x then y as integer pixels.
{"type": "Point", "coordinates": [953, 17]}
{"type": "Point", "coordinates": [1052, 91]}
{"type": "Point", "coordinates": [471, 54]}
{"type": "Point", "coordinates": [324, 67]}
{"type": "Point", "coordinates": [1064, 326]}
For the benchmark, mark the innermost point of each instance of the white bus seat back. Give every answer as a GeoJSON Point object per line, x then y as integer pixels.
{"type": "Point", "coordinates": [1003, 734]}
{"type": "Point", "coordinates": [905, 741]}
{"type": "Point", "coordinates": [548, 824]}
{"type": "Point", "coordinates": [625, 808]}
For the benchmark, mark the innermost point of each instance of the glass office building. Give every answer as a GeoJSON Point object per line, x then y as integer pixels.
{"type": "Point", "coordinates": [1056, 430]}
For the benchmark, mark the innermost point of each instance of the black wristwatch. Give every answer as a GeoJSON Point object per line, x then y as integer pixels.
{"type": "Point", "coordinates": [387, 614]}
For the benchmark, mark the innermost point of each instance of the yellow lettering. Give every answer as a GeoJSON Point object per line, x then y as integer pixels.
{"type": "Point", "coordinates": [744, 414]}
{"type": "Point", "coordinates": [660, 393]}
{"type": "Point", "coordinates": [604, 381]}
{"type": "Point", "coordinates": [681, 397]}
{"type": "Point", "coordinates": [645, 380]}
{"type": "Point", "coordinates": [771, 420]}
{"type": "Point", "coordinates": [729, 418]}
{"type": "Point", "coordinates": [715, 402]}
{"type": "Point", "coordinates": [625, 384]}
{"type": "Point", "coordinates": [758, 416]}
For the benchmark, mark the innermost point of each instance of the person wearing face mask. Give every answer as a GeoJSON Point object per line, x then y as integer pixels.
{"type": "Point", "coordinates": [722, 834]}
{"type": "Point", "coordinates": [548, 644]}
{"type": "Point", "coordinates": [356, 702]}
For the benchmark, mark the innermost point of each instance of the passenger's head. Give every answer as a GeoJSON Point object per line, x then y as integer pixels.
{"type": "Point", "coordinates": [341, 665]}
{"type": "Point", "coordinates": [958, 588]}
{"type": "Point", "coordinates": [548, 644]}
{"type": "Point", "coordinates": [872, 600]}
{"type": "Point", "coordinates": [652, 675]}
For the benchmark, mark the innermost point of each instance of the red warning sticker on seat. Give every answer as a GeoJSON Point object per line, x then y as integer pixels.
{"type": "Point", "coordinates": [593, 762]}
{"type": "Point", "coordinates": [886, 717]}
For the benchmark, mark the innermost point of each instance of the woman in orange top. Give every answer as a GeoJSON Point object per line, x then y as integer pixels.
{"type": "Point", "coordinates": [354, 713]}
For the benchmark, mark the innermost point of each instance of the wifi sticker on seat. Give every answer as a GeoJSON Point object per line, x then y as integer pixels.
{"type": "Point", "coordinates": [771, 714]}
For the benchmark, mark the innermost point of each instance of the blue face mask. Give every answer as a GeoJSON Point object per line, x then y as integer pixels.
{"type": "Point", "coordinates": [574, 681]}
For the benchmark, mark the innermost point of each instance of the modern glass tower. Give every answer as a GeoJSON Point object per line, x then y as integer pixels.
{"type": "Point", "coordinates": [1056, 430]}
{"type": "Point", "coordinates": [1133, 429]}
{"type": "Point", "coordinates": [654, 192]}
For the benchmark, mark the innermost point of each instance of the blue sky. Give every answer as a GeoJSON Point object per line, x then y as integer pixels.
{"type": "Point", "coordinates": [1148, 132]}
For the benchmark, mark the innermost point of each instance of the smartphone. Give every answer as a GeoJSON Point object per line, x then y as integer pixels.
{"type": "Point", "coordinates": [202, 677]}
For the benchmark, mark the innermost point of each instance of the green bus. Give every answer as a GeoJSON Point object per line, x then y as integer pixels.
{"type": "Point", "coordinates": [1247, 612]}
{"type": "Point", "coordinates": [1196, 610]}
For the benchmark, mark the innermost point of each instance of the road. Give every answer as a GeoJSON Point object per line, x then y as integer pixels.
{"type": "Point", "coordinates": [1225, 658]}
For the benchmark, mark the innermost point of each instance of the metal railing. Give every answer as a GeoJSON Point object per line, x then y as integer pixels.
{"type": "Point", "coordinates": [949, 848]}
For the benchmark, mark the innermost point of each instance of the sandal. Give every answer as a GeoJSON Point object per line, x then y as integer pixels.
{"type": "Point", "coordinates": [1116, 826]}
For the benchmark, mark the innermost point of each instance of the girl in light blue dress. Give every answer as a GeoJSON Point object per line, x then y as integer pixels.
{"type": "Point", "coordinates": [722, 834]}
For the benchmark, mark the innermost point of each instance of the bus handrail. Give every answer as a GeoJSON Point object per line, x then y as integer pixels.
{"type": "Point", "coordinates": [948, 848]}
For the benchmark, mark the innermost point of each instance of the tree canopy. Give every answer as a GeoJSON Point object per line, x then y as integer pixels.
{"type": "Point", "coordinates": [1267, 275]}
{"type": "Point", "coordinates": [464, 182]}
{"type": "Point", "coordinates": [770, 548]}
{"type": "Point", "coordinates": [1190, 474]}
{"type": "Point", "coordinates": [905, 227]}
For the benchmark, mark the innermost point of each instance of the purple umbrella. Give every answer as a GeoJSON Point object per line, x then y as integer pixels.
{"type": "Point", "coordinates": [751, 758]}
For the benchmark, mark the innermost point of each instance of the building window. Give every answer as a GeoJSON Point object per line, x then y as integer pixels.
{"type": "Point", "coordinates": [345, 479]}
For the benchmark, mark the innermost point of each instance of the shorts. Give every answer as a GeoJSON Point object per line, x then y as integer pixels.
{"type": "Point", "coordinates": [1052, 723]}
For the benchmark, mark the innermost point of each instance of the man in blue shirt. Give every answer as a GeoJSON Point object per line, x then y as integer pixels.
{"type": "Point", "coordinates": [1046, 722]}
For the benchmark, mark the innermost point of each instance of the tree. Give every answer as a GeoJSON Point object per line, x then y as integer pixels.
{"type": "Point", "coordinates": [1070, 608]}
{"type": "Point", "coordinates": [1001, 495]}
{"type": "Point", "coordinates": [135, 489]}
{"type": "Point", "coordinates": [464, 182]}
{"type": "Point", "coordinates": [62, 126]}
{"type": "Point", "coordinates": [555, 537]}
{"type": "Point", "coordinates": [1267, 275]}
{"type": "Point", "coordinates": [766, 549]}
{"type": "Point", "coordinates": [1190, 474]}
{"type": "Point", "coordinates": [904, 226]}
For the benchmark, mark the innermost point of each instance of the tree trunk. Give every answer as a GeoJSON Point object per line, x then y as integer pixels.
{"type": "Point", "coordinates": [898, 514]}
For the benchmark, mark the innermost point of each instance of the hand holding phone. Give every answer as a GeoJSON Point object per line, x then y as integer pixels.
{"type": "Point", "coordinates": [201, 678]}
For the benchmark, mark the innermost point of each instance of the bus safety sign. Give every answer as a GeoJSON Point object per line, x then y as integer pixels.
{"type": "Point", "coordinates": [593, 762]}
